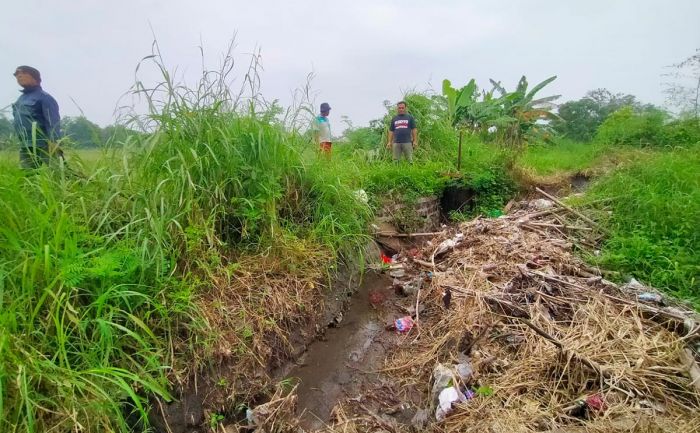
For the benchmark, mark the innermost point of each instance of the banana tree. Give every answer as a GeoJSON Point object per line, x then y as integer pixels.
{"type": "Point", "coordinates": [524, 115]}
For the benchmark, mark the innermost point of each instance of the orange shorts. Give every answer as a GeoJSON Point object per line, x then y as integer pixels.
{"type": "Point", "coordinates": [326, 146]}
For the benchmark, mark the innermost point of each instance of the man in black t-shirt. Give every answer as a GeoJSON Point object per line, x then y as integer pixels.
{"type": "Point", "coordinates": [403, 135]}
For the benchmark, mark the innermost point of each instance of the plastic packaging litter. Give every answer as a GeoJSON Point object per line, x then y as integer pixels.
{"type": "Point", "coordinates": [386, 259]}
{"type": "Point", "coordinates": [448, 244]}
{"type": "Point", "coordinates": [542, 203]}
{"type": "Point", "coordinates": [650, 297]}
{"type": "Point", "coordinates": [398, 273]}
{"type": "Point", "coordinates": [596, 402]}
{"type": "Point", "coordinates": [447, 397]}
{"type": "Point", "coordinates": [404, 324]}
{"type": "Point", "coordinates": [464, 370]}
{"type": "Point", "coordinates": [442, 375]}
{"type": "Point", "coordinates": [361, 196]}
{"type": "Point", "coordinates": [411, 287]}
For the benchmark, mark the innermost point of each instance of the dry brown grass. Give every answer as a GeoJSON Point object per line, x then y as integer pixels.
{"type": "Point", "coordinates": [544, 332]}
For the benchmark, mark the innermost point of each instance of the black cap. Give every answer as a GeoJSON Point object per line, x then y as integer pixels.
{"type": "Point", "coordinates": [34, 72]}
{"type": "Point", "coordinates": [325, 107]}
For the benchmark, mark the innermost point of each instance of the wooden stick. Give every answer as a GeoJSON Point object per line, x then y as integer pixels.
{"type": "Point", "coordinates": [435, 266]}
{"type": "Point", "coordinates": [559, 226]}
{"type": "Point", "coordinates": [572, 210]}
{"type": "Point", "coordinates": [541, 213]}
{"type": "Point", "coordinates": [407, 235]}
{"type": "Point", "coordinates": [692, 367]}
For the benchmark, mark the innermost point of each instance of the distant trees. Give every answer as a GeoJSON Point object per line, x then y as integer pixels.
{"type": "Point", "coordinates": [82, 132]}
{"type": "Point", "coordinates": [580, 119]}
{"type": "Point", "coordinates": [79, 131]}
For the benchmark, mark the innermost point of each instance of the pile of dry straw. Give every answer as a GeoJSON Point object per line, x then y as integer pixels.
{"type": "Point", "coordinates": [544, 333]}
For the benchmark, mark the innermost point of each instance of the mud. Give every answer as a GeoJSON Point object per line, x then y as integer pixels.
{"type": "Point", "coordinates": [343, 362]}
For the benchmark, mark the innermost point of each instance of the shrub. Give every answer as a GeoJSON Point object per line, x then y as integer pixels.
{"type": "Point", "coordinates": [629, 127]}
{"type": "Point", "coordinates": [654, 219]}
{"type": "Point", "coordinates": [682, 132]}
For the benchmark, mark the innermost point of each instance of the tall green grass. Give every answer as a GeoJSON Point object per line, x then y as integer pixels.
{"type": "Point", "coordinates": [654, 218]}
{"type": "Point", "coordinates": [98, 272]}
{"type": "Point", "coordinates": [563, 156]}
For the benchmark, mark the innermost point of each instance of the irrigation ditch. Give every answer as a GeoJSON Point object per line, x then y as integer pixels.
{"type": "Point", "coordinates": [353, 368]}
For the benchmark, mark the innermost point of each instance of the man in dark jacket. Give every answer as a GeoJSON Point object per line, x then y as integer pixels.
{"type": "Point", "coordinates": [37, 121]}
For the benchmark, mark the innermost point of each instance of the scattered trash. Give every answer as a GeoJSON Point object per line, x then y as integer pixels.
{"type": "Point", "coordinates": [442, 376]}
{"type": "Point", "coordinates": [449, 244]}
{"type": "Point", "coordinates": [494, 213]}
{"type": "Point", "coordinates": [634, 285]}
{"type": "Point", "coordinates": [403, 324]}
{"type": "Point", "coordinates": [386, 259]}
{"type": "Point", "coordinates": [337, 319]}
{"type": "Point", "coordinates": [410, 288]}
{"type": "Point", "coordinates": [250, 417]}
{"type": "Point", "coordinates": [596, 402]}
{"type": "Point", "coordinates": [447, 297]}
{"type": "Point", "coordinates": [399, 273]}
{"type": "Point", "coordinates": [650, 297]}
{"type": "Point", "coordinates": [464, 371]}
{"type": "Point", "coordinates": [447, 397]}
{"type": "Point", "coordinates": [541, 204]}
{"type": "Point", "coordinates": [412, 310]}
{"type": "Point", "coordinates": [653, 405]}
{"type": "Point", "coordinates": [361, 196]}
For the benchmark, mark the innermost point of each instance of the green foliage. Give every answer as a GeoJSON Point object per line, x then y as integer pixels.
{"type": "Point", "coordinates": [98, 274]}
{"type": "Point", "coordinates": [682, 132]}
{"type": "Point", "coordinates": [414, 180]}
{"type": "Point", "coordinates": [629, 127]}
{"type": "Point", "coordinates": [516, 117]}
{"type": "Point", "coordinates": [81, 132]}
{"type": "Point", "coordinates": [364, 138]}
{"type": "Point", "coordinates": [579, 120]}
{"type": "Point", "coordinates": [84, 325]}
{"type": "Point", "coordinates": [654, 219]}
{"type": "Point", "coordinates": [492, 188]}
{"type": "Point", "coordinates": [484, 391]}
{"type": "Point", "coordinates": [214, 420]}
{"type": "Point", "coordinates": [562, 155]}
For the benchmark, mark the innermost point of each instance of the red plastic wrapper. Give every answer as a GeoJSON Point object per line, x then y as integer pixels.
{"type": "Point", "coordinates": [404, 324]}
{"type": "Point", "coordinates": [596, 402]}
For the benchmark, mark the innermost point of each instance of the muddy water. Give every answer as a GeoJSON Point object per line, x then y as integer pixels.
{"type": "Point", "coordinates": [339, 364]}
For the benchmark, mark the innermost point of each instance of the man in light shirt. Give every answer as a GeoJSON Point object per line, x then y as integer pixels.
{"type": "Point", "coordinates": [322, 130]}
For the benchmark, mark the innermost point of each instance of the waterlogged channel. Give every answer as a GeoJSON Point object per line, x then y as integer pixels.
{"type": "Point", "coordinates": [347, 357]}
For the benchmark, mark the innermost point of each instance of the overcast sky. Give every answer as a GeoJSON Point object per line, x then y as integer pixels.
{"type": "Point", "coordinates": [362, 52]}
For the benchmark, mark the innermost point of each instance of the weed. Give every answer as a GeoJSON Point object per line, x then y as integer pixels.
{"type": "Point", "coordinates": [654, 215]}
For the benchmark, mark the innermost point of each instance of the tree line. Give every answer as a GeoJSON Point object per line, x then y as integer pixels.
{"type": "Point", "coordinates": [79, 132]}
